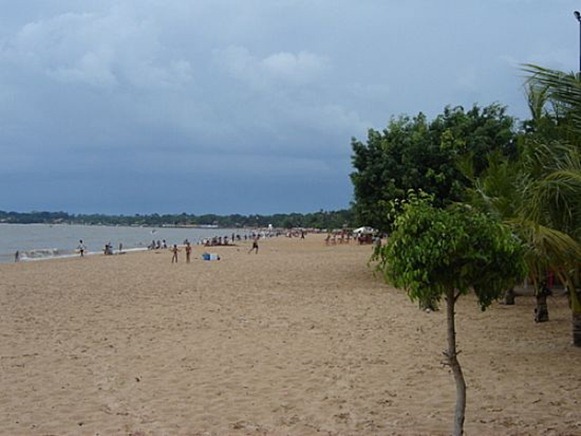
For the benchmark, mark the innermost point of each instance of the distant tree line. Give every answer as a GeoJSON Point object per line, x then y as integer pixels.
{"type": "Point", "coordinates": [318, 220]}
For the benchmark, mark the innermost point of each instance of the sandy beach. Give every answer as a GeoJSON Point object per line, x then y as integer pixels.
{"type": "Point", "coordinates": [299, 339]}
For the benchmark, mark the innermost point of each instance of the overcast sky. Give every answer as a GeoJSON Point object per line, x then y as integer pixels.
{"type": "Point", "coordinates": [242, 106]}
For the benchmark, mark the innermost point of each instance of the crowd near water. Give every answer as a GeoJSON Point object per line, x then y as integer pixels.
{"type": "Point", "coordinates": [28, 242]}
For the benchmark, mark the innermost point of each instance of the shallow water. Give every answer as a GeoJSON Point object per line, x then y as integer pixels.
{"type": "Point", "coordinates": [42, 241]}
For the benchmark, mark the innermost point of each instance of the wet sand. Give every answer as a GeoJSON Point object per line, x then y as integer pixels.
{"type": "Point", "coordinates": [299, 339]}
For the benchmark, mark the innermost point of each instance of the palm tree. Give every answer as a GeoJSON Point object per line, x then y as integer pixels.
{"type": "Point", "coordinates": [562, 91]}
{"type": "Point", "coordinates": [538, 195]}
{"type": "Point", "coordinates": [550, 214]}
{"type": "Point", "coordinates": [562, 187]}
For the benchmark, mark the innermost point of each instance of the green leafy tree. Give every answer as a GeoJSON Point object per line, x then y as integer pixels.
{"type": "Point", "coordinates": [439, 254]}
{"type": "Point", "coordinates": [417, 154]}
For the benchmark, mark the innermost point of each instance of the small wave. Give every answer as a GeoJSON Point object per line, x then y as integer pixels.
{"type": "Point", "coordinates": [55, 253]}
{"type": "Point", "coordinates": [131, 250]}
{"type": "Point", "coordinates": [40, 253]}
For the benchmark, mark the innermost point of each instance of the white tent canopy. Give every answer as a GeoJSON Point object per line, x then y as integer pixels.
{"type": "Point", "coordinates": [365, 230]}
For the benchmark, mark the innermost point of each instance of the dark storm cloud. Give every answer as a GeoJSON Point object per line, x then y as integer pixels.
{"type": "Point", "coordinates": [241, 106]}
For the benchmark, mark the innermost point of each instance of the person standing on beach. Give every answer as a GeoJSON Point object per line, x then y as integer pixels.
{"type": "Point", "coordinates": [174, 250]}
{"type": "Point", "coordinates": [254, 246]}
{"type": "Point", "coordinates": [81, 248]}
{"type": "Point", "coordinates": [188, 251]}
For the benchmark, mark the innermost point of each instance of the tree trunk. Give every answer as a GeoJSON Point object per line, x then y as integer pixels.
{"type": "Point", "coordinates": [452, 360]}
{"type": "Point", "coordinates": [576, 320]}
{"type": "Point", "coordinates": [575, 304]}
{"type": "Point", "coordinates": [509, 297]}
{"type": "Point", "coordinates": [542, 310]}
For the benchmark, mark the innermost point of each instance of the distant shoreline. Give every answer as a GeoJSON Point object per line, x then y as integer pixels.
{"type": "Point", "coordinates": [321, 220]}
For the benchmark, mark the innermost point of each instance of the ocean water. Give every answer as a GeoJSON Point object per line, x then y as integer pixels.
{"type": "Point", "coordinates": [43, 241]}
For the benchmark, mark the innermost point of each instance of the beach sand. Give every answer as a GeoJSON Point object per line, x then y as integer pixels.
{"type": "Point", "coordinates": [299, 339]}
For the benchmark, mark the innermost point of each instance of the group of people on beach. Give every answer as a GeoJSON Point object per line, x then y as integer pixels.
{"type": "Point", "coordinates": [227, 240]}
{"type": "Point", "coordinates": [175, 250]}
{"type": "Point", "coordinates": [157, 245]}
{"type": "Point", "coordinates": [217, 241]}
{"type": "Point", "coordinates": [340, 237]}
{"type": "Point", "coordinates": [344, 237]}
{"type": "Point", "coordinates": [108, 249]}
